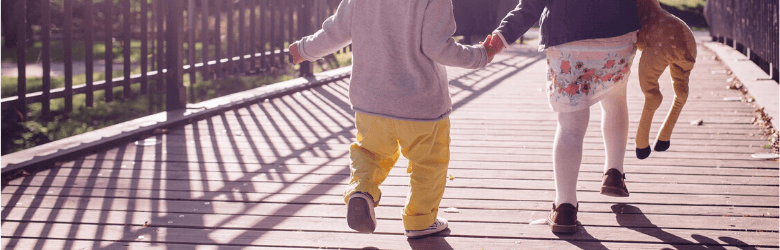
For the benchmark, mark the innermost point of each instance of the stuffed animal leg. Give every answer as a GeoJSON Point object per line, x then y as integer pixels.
{"type": "Point", "coordinates": [665, 41]}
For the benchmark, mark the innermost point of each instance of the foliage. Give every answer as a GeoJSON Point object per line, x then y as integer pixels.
{"type": "Point", "coordinates": [36, 130]}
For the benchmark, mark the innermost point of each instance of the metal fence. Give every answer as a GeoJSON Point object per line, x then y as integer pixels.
{"type": "Point", "coordinates": [750, 26]}
{"type": "Point", "coordinates": [244, 37]}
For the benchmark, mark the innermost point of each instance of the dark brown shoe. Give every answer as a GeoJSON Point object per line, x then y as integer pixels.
{"type": "Point", "coordinates": [563, 219]}
{"type": "Point", "coordinates": [614, 184]}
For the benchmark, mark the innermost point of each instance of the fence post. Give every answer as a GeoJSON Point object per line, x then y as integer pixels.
{"type": "Point", "coordinates": [176, 94]}
{"type": "Point", "coordinates": [304, 23]}
{"type": "Point", "coordinates": [21, 56]}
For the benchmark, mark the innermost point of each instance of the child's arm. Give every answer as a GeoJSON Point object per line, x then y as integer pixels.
{"type": "Point", "coordinates": [438, 44]}
{"type": "Point", "coordinates": [493, 45]}
{"type": "Point", "coordinates": [519, 20]}
{"type": "Point", "coordinates": [336, 33]}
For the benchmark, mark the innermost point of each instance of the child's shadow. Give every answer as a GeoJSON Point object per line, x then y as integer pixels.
{"type": "Point", "coordinates": [436, 241]}
{"type": "Point", "coordinates": [633, 218]}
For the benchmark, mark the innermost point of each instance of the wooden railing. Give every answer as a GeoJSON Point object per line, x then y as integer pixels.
{"type": "Point", "coordinates": [239, 36]}
{"type": "Point", "coordinates": [750, 26]}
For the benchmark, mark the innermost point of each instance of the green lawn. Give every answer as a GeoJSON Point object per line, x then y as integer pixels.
{"type": "Point", "coordinates": [683, 4]}
{"type": "Point", "coordinates": [36, 130]}
{"type": "Point", "coordinates": [79, 52]}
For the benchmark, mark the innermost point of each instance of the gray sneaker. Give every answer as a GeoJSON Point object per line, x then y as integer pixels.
{"type": "Point", "coordinates": [360, 212]}
{"type": "Point", "coordinates": [439, 225]}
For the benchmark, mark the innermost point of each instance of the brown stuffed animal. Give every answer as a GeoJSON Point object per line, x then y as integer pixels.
{"type": "Point", "coordinates": [664, 40]}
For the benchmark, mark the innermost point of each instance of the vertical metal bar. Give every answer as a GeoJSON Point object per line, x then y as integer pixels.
{"type": "Point", "coordinates": [46, 59]}
{"type": "Point", "coordinates": [272, 8]}
{"type": "Point", "coordinates": [21, 57]}
{"type": "Point", "coordinates": [88, 52]}
{"type": "Point", "coordinates": [176, 96]}
{"type": "Point", "coordinates": [304, 22]}
{"type": "Point", "coordinates": [191, 45]}
{"type": "Point", "coordinates": [241, 37]}
{"type": "Point", "coordinates": [155, 52]}
{"type": "Point", "coordinates": [68, 51]}
{"type": "Point", "coordinates": [230, 32]}
{"type": "Point", "coordinates": [291, 12]}
{"type": "Point", "coordinates": [144, 45]}
{"type": "Point", "coordinates": [218, 39]}
{"type": "Point", "coordinates": [126, 48]}
{"type": "Point", "coordinates": [252, 31]}
{"type": "Point", "coordinates": [263, 31]}
{"type": "Point", "coordinates": [205, 39]}
{"type": "Point", "coordinates": [108, 41]}
{"type": "Point", "coordinates": [160, 15]}
{"type": "Point", "coordinates": [285, 12]}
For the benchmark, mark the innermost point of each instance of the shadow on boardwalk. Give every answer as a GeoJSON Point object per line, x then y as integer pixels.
{"type": "Point", "coordinates": [271, 176]}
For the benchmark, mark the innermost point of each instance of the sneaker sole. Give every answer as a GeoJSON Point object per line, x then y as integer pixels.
{"type": "Point", "coordinates": [614, 192]}
{"type": "Point", "coordinates": [417, 234]}
{"type": "Point", "coordinates": [359, 216]}
{"type": "Point", "coordinates": [556, 228]}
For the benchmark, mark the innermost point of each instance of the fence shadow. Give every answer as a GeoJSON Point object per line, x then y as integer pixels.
{"type": "Point", "coordinates": [221, 161]}
{"type": "Point", "coordinates": [633, 218]}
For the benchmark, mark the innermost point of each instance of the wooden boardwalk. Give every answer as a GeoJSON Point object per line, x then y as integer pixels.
{"type": "Point", "coordinates": [271, 175]}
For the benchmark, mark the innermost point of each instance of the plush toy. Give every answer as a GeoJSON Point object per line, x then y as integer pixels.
{"type": "Point", "coordinates": [664, 40]}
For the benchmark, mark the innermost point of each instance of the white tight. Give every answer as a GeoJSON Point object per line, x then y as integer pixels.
{"type": "Point", "coordinates": [567, 148]}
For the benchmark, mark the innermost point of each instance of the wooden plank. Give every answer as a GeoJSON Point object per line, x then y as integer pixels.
{"type": "Point", "coordinates": [390, 227]}
{"type": "Point", "coordinates": [614, 215]}
{"type": "Point", "coordinates": [642, 173]}
{"type": "Point", "coordinates": [212, 139]}
{"type": "Point", "coordinates": [128, 39]}
{"type": "Point", "coordinates": [277, 170]}
{"type": "Point", "coordinates": [256, 191]}
{"type": "Point", "coordinates": [108, 41]}
{"type": "Point", "coordinates": [249, 143]}
{"type": "Point", "coordinates": [335, 214]}
{"type": "Point", "coordinates": [34, 243]}
{"type": "Point", "coordinates": [16, 198]}
{"type": "Point", "coordinates": [588, 181]}
{"type": "Point", "coordinates": [270, 240]}
{"type": "Point", "coordinates": [301, 117]}
{"type": "Point", "coordinates": [479, 159]}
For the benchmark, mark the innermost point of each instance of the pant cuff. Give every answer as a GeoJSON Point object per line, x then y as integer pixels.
{"type": "Point", "coordinates": [419, 222]}
{"type": "Point", "coordinates": [373, 190]}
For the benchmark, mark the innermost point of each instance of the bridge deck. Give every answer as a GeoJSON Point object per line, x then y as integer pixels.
{"type": "Point", "coordinates": [271, 175]}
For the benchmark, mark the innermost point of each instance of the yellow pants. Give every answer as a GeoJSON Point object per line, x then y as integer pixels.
{"type": "Point", "coordinates": [425, 144]}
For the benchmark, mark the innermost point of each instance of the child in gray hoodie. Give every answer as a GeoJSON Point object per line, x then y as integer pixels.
{"type": "Point", "coordinates": [399, 92]}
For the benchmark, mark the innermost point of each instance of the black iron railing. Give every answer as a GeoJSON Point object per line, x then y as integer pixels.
{"type": "Point", "coordinates": [245, 37]}
{"type": "Point", "coordinates": [750, 26]}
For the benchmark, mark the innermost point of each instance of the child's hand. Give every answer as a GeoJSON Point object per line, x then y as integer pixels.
{"type": "Point", "coordinates": [296, 56]}
{"type": "Point", "coordinates": [493, 45]}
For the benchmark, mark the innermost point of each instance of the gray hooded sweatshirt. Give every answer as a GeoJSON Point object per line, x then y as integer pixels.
{"type": "Point", "coordinates": [399, 49]}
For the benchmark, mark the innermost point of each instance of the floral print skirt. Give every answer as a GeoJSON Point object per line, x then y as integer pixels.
{"type": "Point", "coordinates": [581, 73]}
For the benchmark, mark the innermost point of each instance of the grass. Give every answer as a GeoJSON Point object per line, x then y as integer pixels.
{"type": "Point", "coordinates": [57, 47]}
{"type": "Point", "coordinates": [684, 4]}
{"type": "Point", "coordinates": [34, 52]}
{"type": "Point", "coordinates": [36, 130]}
{"type": "Point", "coordinates": [35, 84]}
